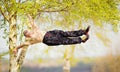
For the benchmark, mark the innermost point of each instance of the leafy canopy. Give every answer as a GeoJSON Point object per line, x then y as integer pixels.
{"type": "Point", "coordinates": [96, 10]}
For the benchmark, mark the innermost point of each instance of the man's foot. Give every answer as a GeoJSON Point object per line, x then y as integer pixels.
{"type": "Point", "coordinates": [85, 35]}
{"type": "Point", "coordinates": [85, 32]}
{"type": "Point", "coordinates": [84, 38]}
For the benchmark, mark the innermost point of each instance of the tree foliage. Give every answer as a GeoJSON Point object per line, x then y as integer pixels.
{"type": "Point", "coordinates": [70, 11]}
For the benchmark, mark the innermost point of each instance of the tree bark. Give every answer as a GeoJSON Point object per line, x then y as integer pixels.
{"type": "Point", "coordinates": [21, 57]}
{"type": "Point", "coordinates": [0, 64]}
{"type": "Point", "coordinates": [12, 44]}
{"type": "Point", "coordinates": [16, 61]}
{"type": "Point", "coordinates": [66, 66]}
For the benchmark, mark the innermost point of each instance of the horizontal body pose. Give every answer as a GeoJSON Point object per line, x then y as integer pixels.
{"type": "Point", "coordinates": [54, 37]}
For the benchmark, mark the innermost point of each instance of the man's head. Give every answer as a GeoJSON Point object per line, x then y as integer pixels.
{"type": "Point", "coordinates": [27, 33]}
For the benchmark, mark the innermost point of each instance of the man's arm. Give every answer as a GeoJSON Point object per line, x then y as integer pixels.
{"type": "Point", "coordinates": [24, 44]}
{"type": "Point", "coordinates": [21, 46]}
{"type": "Point", "coordinates": [33, 25]}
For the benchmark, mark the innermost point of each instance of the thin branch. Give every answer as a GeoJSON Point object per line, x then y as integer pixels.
{"type": "Point", "coordinates": [13, 15]}
{"type": "Point", "coordinates": [45, 9]}
{"type": "Point", "coordinates": [54, 10]}
{"type": "Point", "coordinates": [4, 53]}
{"type": "Point", "coordinates": [64, 9]}
{"type": "Point", "coordinates": [3, 13]}
{"type": "Point", "coordinates": [19, 1]}
{"type": "Point", "coordinates": [39, 11]}
{"type": "Point", "coordinates": [6, 6]}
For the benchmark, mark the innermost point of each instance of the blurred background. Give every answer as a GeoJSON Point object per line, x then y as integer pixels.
{"type": "Point", "coordinates": [101, 53]}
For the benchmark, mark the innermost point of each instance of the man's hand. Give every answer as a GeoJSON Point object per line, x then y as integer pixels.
{"type": "Point", "coordinates": [21, 46]}
{"type": "Point", "coordinates": [15, 51]}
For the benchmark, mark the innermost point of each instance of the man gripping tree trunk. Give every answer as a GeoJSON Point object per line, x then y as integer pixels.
{"type": "Point", "coordinates": [54, 37]}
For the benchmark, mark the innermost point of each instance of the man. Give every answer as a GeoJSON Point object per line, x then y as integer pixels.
{"type": "Point", "coordinates": [54, 37]}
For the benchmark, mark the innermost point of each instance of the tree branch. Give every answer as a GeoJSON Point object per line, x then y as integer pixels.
{"type": "Point", "coordinates": [14, 14]}
{"type": "Point", "coordinates": [64, 9]}
{"type": "Point", "coordinates": [53, 10]}
{"type": "Point", "coordinates": [3, 13]}
{"type": "Point", "coordinates": [19, 1]}
{"type": "Point", "coordinates": [4, 53]}
{"type": "Point", "coordinates": [21, 57]}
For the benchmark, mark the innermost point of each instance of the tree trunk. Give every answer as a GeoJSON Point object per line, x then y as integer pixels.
{"type": "Point", "coordinates": [16, 61]}
{"type": "Point", "coordinates": [21, 57]}
{"type": "Point", "coordinates": [0, 64]}
{"type": "Point", "coordinates": [66, 66]}
{"type": "Point", "coordinates": [12, 44]}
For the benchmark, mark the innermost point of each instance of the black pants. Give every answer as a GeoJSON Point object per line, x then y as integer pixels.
{"type": "Point", "coordinates": [59, 37]}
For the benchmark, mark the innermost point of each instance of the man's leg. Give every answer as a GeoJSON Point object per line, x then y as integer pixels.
{"type": "Point", "coordinates": [75, 33]}
{"type": "Point", "coordinates": [74, 40]}
{"type": "Point", "coordinates": [58, 37]}
{"type": "Point", "coordinates": [51, 41]}
{"type": "Point", "coordinates": [72, 33]}
{"type": "Point", "coordinates": [66, 40]}
{"type": "Point", "coordinates": [69, 41]}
